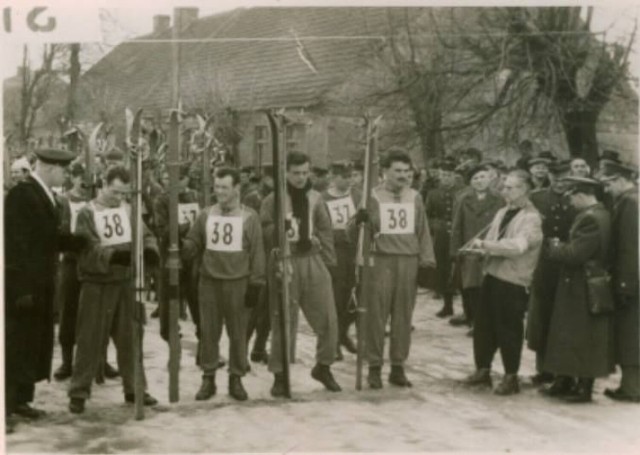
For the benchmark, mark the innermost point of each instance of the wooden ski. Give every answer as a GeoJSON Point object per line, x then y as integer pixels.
{"type": "Point", "coordinates": [137, 250]}
{"type": "Point", "coordinates": [173, 257]}
{"type": "Point", "coordinates": [364, 260]}
{"type": "Point", "coordinates": [279, 291]}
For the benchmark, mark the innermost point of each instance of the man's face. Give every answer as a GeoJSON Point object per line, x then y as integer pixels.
{"type": "Point", "coordinates": [580, 168]}
{"type": "Point", "coordinates": [447, 178]}
{"type": "Point", "coordinates": [224, 189]}
{"type": "Point", "coordinates": [399, 174]}
{"type": "Point", "coordinates": [116, 191]}
{"type": "Point", "coordinates": [58, 174]}
{"type": "Point", "coordinates": [578, 200]}
{"type": "Point", "coordinates": [513, 189]}
{"type": "Point", "coordinates": [341, 182]}
{"type": "Point", "coordinates": [17, 175]}
{"type": "Point", "coordinates": [298, 175]}
{"type": "Point", "coordinates": [539, 170]}
{"type": "Point", "coordinates": [164, 180]}
{"type": "Point", "coordinates": [614, 186]}
{"type": "Point", "coordinates": [480, 181]}
{"type": "Point", "coordinates": [356, 178]}
{"type": "Point", "coordinates": [244, 178]}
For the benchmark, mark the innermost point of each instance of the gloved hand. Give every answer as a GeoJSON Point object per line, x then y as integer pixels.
{"type": "Point", "coordinates": [252, 295]}
{"type": "Point", "coordinates": [121, 257]}
{"type": "Point", "coordinates": [362, 216]}
{"type": "Point", "coordinates": [72, 243]}
{"type": "Point", "coordinates": [151, 258]}
{"type": "Point", "coordinates": [24, 303]}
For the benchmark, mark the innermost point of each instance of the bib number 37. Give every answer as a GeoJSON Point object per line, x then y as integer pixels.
{"type": "Point", "coordinates": [224, 233]}
{"type": "Point", "coordinates": [397, 218]}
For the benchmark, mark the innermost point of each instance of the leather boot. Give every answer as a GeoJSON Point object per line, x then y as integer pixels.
{"type": "Point", "coordinates": [581, 392]}
{"type": "Point", "coordinates": [322, 374]}
{"type": "Point", "coordinates": [447, 308]}
{"type": "Point", "coordinates": [76, 405]}
{"type": "Point", "coordinates": [207, 389]}
{"type": "Point", "coordinates": [481, 377]}
{"type": "Point", "coordinates": [236, 389]}
{"type": "Point", "coordinates": [508, 386]}
{"type": "Point", "coordinates": [110, 372]}
{"type": "Point", "coordinates": [562, 386]}
{"type": "Point", "coordinates": [397, 376]}
{"type": "Point", "coordinates": [348, 344]}
{"type": "Point", "coordinates": [65, 370]}
{"type": "Point", "coordinates": [375, 377]}
{"type": "Point", "coordinates": [147, 399]}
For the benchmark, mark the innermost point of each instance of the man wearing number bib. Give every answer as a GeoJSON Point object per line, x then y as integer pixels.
{"type": "Point", "coordinates": [228, 237]}
{"type": "Point", "coordinates": [401, 244]}
{"type": "Point", "coordinates": [311, 239]}
{"type": "Point", "coordinates": [342, 201]}
{"type": "Point", "coordinates": [104, 269]}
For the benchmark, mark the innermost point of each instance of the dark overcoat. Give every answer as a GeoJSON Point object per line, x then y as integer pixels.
{"type": "Point", "coordinates": [624, 250]}
{"type": "Point", "coordinates": [580, 343]}
{"type": "Point", "coordinates": [31, 223]}
{"type": "Point", "coordinates": [472, 215]}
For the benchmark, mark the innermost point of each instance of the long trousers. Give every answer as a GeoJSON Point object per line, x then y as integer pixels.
{"type": "Point", "coordinates": [105, 309]}
{"type": "Point", "coordinates": [259, 322]}
{"type": "Point", "coordinates": [499, 324]}
{"type": "Point", "coordinates": [70, 295]}
{"type": "Point", "coordinates": [392, 294]}
{"type": "Point", "coordinates": [470, 302]}
{"type": "Point", "coordinates": [343, 280]}
{"type": "Point", "coordinates": [311, 292]}
{"type": "Point", "coordinates": [222, 304]}
{"type": "Point", "coordinates": [188, 291]}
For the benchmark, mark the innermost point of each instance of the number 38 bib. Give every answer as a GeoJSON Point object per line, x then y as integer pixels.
{"type": "Point", "coordinates": [224, 233]}
{"type": "Point", "coordinates": [113, 226]}
{"type": "Point", "coordinates": [397, 218]}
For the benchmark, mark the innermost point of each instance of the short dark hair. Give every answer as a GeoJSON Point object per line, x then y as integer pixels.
{"type": "Point", "coordinates": [228, 171]}
{"type": "Point", "coordinates": [395, 155]}
{"type": "Point", "coordinates": [117, 172]}
{"type": "Point", "coordinates": [297, 159]}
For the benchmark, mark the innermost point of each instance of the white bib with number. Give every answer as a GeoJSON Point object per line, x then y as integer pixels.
{"type": "Point", "coordinates": [397, 218]}
{"type": "Point", "coordinates": [224, 233]}
{"type": "Point", "coordinates": [293, 234]}
{"type": "Point", "coordinates": [341, 210]}
{"type": "Point", "coordinates": [113, 226]}
{"type": "Point", "coordinates": [75, 208]}
{"type": "Point", "coordinates": [187, 213]}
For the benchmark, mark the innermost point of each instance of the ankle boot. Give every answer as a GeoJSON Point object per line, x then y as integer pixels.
{"type": "Point", "coordinates": [480, 377]}
{"type": "Point", "coordinates": [278, 388]}
{"type": "Point", "coordinates": [562, 386]}
{"type": "Point", "coordinates": [236, 389]}
{"type": "Point", "coordinates": [322, 373]}
{"type": "Point", "coordinates": [447, 308]}
{"type": "Point", "coordinates": [508, 386]}
{"type": "Point", "coordinates": [207, 389]}
{"type": "Point", "coordinates": [581, 392]}
{"type": "Point", "coordinates": [375, 377]}
{"type": "Point", "coordinates": [65, 370]}
{"type": "Point", "coordinates": [397, 376]}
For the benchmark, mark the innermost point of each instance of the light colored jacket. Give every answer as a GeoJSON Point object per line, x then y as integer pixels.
{"type": "Point", "coordinates": [513, 258]}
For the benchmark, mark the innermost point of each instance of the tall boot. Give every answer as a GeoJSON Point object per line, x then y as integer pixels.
{"type": "Point", "coordinates": [562, 386]}
{"type": "Point", "coordinates": [582, 392]}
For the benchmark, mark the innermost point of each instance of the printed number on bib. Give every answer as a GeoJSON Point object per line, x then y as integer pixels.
{"type": "Point", "coordinates": [113, 226]}
{"type": "Point", "coordinates": [293, 234]}
{"type": "Point", "coordinates": [341, 210]}
{"type": "Point", "coordinates": [187, 213]}
{"type": "Point", "coordinates": [75, 209]}
{"type": "Point", "coordinates": [224, 233]}
{"type": "Point", "coordinates": [397, 218]}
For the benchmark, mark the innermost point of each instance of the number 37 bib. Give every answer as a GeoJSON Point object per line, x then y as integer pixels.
{"type": "Point", "coordinates": [397, 218]}
{"type": "Point", "coordinates": [224, 233]}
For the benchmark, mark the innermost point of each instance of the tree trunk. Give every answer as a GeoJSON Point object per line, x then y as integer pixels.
{"type": "Point", "coordinates": [580, 131]}
{"type": "Point", "coordinates": [74, 76]}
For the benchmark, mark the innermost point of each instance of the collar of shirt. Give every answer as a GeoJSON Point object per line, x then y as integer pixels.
{"type": "Point", "coordinates": [44, 186]}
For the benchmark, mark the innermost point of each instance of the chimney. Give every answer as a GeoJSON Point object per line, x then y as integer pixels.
{"type": "Point", "coordinates": [161, 23]}
{"type": "Point", "coordinates": [185, 17]}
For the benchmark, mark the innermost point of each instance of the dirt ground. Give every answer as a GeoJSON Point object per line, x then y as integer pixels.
{"type": "Point", "coordinates": [436, 415]}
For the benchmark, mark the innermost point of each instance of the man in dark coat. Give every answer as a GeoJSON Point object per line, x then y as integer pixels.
{"type": "Point", "coordinates": [32, 244]}
{"type": "Point", "coordinates": [557, 216]}
{"type": "Point", "coordinates": [619, 183]}
{"type": "Point", "coordinates": [580, 344]}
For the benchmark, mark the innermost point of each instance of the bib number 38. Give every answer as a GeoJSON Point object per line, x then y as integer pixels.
{"type": "Point", "coordinates": [113, 226]}
{"type": "Point", "coordinates": [397, 218]}
{"type": "Point", "coordinates": [224, 233]}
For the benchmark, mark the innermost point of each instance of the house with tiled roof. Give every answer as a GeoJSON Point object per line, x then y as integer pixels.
{"type": "Point", "coordinates": [302, 59]}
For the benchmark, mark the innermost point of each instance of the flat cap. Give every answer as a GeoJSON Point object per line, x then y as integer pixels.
{"type": "Point", "coordinates": [610, 155]}
{"type": "Point", "coordinates": [545, 157]}
{"type": "Point", "coordinates": [475, 169]}
{"type": "Point", "coordinates": [580, 184]}
{"type": "Point", "coordinates": [560, 166]}
{"type": "Point", "coordinates": [55, 156]}
{"type": "Point", "coordinates": [613, 169]}
{"type": "Point", "coordinates": [340, 167]}
{"type": "Point", "coordinates": [317, 170]}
